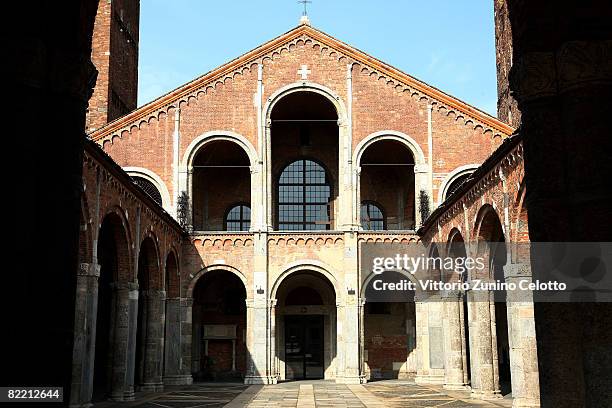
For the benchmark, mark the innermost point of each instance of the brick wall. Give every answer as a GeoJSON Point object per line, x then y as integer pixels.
{"type": "Point", "coordinates": [115, 55]}
{"type": "Point", "coordinates": [507, 109]}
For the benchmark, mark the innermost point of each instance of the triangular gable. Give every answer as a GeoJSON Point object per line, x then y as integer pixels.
{"type": "Point", "coordinates": [180, 95]}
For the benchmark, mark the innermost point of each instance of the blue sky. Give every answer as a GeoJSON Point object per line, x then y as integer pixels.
{"type": "Point", "coordinates": [447, 44]}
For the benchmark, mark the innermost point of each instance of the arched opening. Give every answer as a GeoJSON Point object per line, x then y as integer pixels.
{"type": "Point", "coordinates": [149, 188]}
{"type": "Point", "coordinates": [304, 152]}
{"type": "Point", "coordinates": [149, 330]}
{"type": "Point", "coordinates": [492, 245]}
{"type": "Point", "coordinates": [373, 216]}
{"type": "Point", "coordinates": [113, 257]}
{"type": "Point", "coordinates": [456, 183]}
{"type": "Point", "coordinates": [219, 327]}
{"type": "Point", "coordinates": [238, 217]}
{"type": "Point", "coordinates": [389, 333]}
{"type": "Point", "coordinates": [221, 177]}
{"type": "Point", "coordinates": [387, 178]}
{"type": "Point", "coordinates": [305, 318]}
{"type": "Point", "coordinates": [456, 250]}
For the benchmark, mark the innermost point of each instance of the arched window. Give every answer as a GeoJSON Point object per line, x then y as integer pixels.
{"type": "Point", "coordinates": [148, 188]}
{"type": "Point", "coordinates": [372, 216]}
{"type": "Point", "coordinates": [304, 192]}
{"type": "Point", "coordinates": [455, 184]}
{"type": "Point", "coordinates": [238, 218]}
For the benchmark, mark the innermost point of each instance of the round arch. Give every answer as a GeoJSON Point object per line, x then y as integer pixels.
{"type": "Point", "coordinates": [153, 178]}
{"type": "Point", "coordinates": [210, 268]}
{"type": "Point", "coordinates": [372, 275]}
{"type": "Point", "coordinates": [410, 143]}
{"type": "Point", "coordinates": [217, 135]}
{"type": "Point", "coordinates": [85, 237]}
{"type": "Point", "coordinates": [308, 87]}
{"type": "Point", "coordinates": [172, 282]}
{"type": "Point", "coordinates": [300, 266]}
{"type": "Point", "coordinates": [154, 273]}
{"type": "Point", "coordinates": [486, 209]}
{"type": "Point", "coordinates": [452, 176]}
{"type": "Point", "coordinates": [127, 273]}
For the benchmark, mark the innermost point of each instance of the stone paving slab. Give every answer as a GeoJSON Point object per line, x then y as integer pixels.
{"type": "Point", "coordinates": [309, 394]}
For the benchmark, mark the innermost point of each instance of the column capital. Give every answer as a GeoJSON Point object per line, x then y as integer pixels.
{"type": "Point", "coordinates": [518, 270]}
{"type": "Point", "coordinates": [89, 269]}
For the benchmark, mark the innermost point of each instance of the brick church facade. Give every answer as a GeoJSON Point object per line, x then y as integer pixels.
{"type": "Point", "coordinates": [222, 224]}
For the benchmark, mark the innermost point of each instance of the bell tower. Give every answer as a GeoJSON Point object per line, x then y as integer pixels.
{"type": "Point", "coordinates": [115, 55]}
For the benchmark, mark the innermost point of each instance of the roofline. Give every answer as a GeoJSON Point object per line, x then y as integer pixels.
{"type": "Point", "coordinates": [352, 52]}
{"type": "Point", "coordinates": [97, 153]}
{"type": "Point", "coordinates": [502, 150]}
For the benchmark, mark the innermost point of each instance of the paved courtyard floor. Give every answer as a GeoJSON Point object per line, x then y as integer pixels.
{"type": "Point", "coordinates": [308, 394]}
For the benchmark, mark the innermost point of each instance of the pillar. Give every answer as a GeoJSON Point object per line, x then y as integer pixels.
{"type": "Point", "coordinates": [151, 378]}
{"type": "Point", "coordinates": [522, 339]}
{"type": "Point", "coordinates": [430, 347]}
{"type": "Point", "coordinates": [123, 339]}
{"type": "Point", "coordinates": [186, 334]}
{"type": "Point", "coordinates": [259, 370]}
{"type": "Point", "coordinates": [454, 346]}
{"type": "Point", "coordinates": [486, 385]}
{"type": "Point", "coordinates": [86, 310]}
{"type": "Point", "coordinates": [173, 374]}
{"type": "Point", "coordinates": [562, 81]}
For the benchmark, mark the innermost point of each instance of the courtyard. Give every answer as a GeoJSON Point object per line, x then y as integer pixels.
{"type": "Point", "coordinates": [303, 394]}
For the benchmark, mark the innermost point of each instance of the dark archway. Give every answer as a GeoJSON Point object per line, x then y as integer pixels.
{"type": "Point", "coordinates": [305, 326]}
{"type": "Point", "coordinates": [114, 259]}
{"type": "Point", "coordinates": [387, 178]}
{"type": "Point", "coordinates": [151, 306]}
{"type": "Point", "coordinates": [305, 165]}
{"type": "Point", "coordinates": [219, 327]}
{"type": "Point", "coordinates": [221, 178]}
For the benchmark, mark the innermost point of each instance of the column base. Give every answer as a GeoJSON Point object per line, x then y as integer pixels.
{"type": "Point", "coordinates": [151, 387]}
{"type": "Point", "coordinates": [525, 403]}
{"type": "Point", "coordinates": [486, 395]}
{"type": "Point", "coordinates": [457, 387]}
{"type": "Point", "coordinates": [405, 375]}
{"type": "Point", "coordinates": [361, 379]}
{"type": "Point", "coordinates": [178, 380]}
{"type": "Point", "coordinates": [429, 379]}
{"type": "Point", "coordinates": [122, 396]}
{"type": "Point", "coordinates": [260, 380]}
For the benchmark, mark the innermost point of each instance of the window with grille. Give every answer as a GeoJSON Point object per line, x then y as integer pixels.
{"type": "Point", "coordinates": [148, 188]}
{"type": "Point", "coordinates": [304, 195]}
{"type": "Point", "coordinates": [372, 216]}
{"type": "Point", "coordinates": [238, 218]}
{"type": "Point", "coordinates": [455, 184]}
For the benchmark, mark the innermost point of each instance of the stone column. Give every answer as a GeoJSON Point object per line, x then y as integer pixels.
{"type": "Point", "coordinates": [131, 344]}
{"type": "Point", "coordinates": [153, 343]}
{"type": "Point", "coordinates": [86, 308]}
{"type": "Point", "coordinates": [122, 387]}
{"type": "Point", "coordinates": [454, 369]}
{"type": "Point", "coordinates": [349, 309]}
{"type": "Point", "coordinates": [186, 311]}
{"type": "Point", "coordinates": [562, 81]}
{"type": "Point", "coordinates": [173, 374]}
{"type": "Point", "coordinates": [258, 369]}
{"type": "Point", "coordinates": [430, 347]}
{"type": "Point", "coordinates": [522, 339]}
{"type": "Point", "coordinates": [486, 385]}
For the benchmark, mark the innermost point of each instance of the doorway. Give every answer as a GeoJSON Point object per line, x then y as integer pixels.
{"type": "Point", "coordinates": [304, 347]}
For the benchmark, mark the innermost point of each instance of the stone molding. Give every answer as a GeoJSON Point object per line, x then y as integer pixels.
{"type": "Point", "coordinates": [272, 50]}
{"type": "Point", "coordinates": [575, 64]}
{"type": "Point", "coordinates": [89, 270]}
